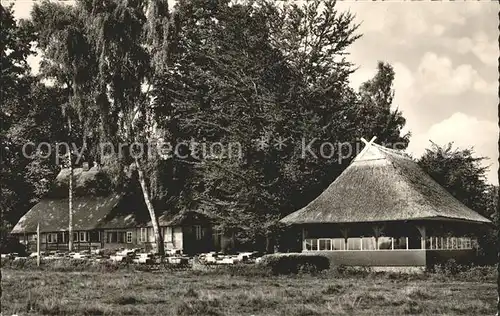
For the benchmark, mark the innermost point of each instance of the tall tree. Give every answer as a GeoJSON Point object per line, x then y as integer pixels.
{"type": "Point", "coordinates": [24, 177]}
{"type": "Point", "coordinates": [255, 71]}
{"type": "Point", "coordinates": [375, 112]}
{"type": "Point", "coordinates": [117, 33]}
{"type": "Point", "coordinates": [462, 174]}
{"type": "Point", "coordinates": [233, 73]}
{"type": "Point", "coordinates": [68, 60]}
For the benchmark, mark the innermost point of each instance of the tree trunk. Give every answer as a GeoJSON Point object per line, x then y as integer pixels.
{"type": "Point", "coordinates": [154, 220]}
{"type": "Point", "coordinates": [70, 196]}
{"type": "Point", "coordinates": [498, 228]}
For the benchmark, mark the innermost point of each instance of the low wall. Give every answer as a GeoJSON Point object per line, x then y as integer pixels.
{"type": "Point", "coordinates": [374, 258]}
{"type": "Point", "coordinates": [397, 258]}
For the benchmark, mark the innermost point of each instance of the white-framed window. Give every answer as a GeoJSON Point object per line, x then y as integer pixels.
{"type": "Point", "coordinates": [311, 244]}
{"type": "Point", "coordinates": [52, 238]}
{"type": "Point", "coordinates": [168, 232]}
{"type": "Point", "coordinates": [325, 244]}
{"type": "Point", "coordinates": [450, 243]}
{"type": "Point", "coordinates": [467, 243]}
{"type": "Point", "coordinates": [129, 237]}
{"type": "Point", "coordinates": [400, 242]}
{"type": "Point", "coordinates": [151, 234]}
{"type": "Point", "coordinates": [368, 243]}
{"type": "Point", "coordinates": [111, 237]}
{"type": "Point", "coordinates": [384, 243]}
{"type": "Point", "coordinates": [122, 237]}
{"type": "Point", "coordinates": [338, 244]}
{"type": "Point", "coordinates": [83, 237]}
{"type": "Point", "coordinates": [354, 243]}
{"type": "Point", "coordinates": [198, 232]}
{"type": "Point", "coordinates": [143, 234]}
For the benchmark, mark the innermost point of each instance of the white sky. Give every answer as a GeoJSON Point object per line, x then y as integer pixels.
{"type": "Point", "coordinates": [445, 57]}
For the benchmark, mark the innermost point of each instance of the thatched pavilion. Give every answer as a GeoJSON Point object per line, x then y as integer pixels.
{"type": "Point", "coordinates": [383, 210]}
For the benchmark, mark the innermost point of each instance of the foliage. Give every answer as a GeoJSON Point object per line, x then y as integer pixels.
{"type": "Point", "coordinates": [254, 71]}
{"type": "Point", "coordinates": [224, 72]}
{"type": "Point", "coordinates": [15, 38]}
{"type": "Point", "coordinates": [12, 245]}
{"type": "Point", "coordinates": [461, 173]}
{"type": "Point", "coordinates": [375, 114]}
{"type": "Point", "coordinates": [29, 115]}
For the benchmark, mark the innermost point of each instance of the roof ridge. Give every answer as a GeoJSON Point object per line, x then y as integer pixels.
{"type": "Point", "coordinates": [398, 152]}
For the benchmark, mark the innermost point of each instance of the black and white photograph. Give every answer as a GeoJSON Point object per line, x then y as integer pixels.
{"type": "Point", "coordinates": [249, 157]}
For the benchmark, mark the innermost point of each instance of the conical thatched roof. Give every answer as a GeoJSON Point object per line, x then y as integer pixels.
{"type": "Point", "coordinates": [383, 185]}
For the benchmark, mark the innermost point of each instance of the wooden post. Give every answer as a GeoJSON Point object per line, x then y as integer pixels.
{"type": "Point", "coordinates": [377, 231]}
{"type": "Point", "coordinates": [303, 239]}
{"type": "Point", "coordinates": [38, 244]}
{"type": "Point", "coordinates": [421, 229]}
{"type": "Point", "coordinates": [345, 233]}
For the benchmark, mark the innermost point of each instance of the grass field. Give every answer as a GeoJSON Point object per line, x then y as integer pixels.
{"type": "Point", "coordinates": [189, 293]}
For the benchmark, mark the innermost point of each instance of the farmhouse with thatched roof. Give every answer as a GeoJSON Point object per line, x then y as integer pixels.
{"type": "Point", "coordinates": [383, 210]}
{"type": "Point", "coordinates": [106, 219]}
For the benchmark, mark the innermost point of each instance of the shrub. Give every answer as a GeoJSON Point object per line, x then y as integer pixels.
{"type": "Point", "coordinates": [11, 244]}
{"type": "Point", "coordinates": [475, 273]}
{"type": "Point", "coordinates": [464, 272]}
{"type": "Point", "coordinates": [449, 268]}
{"type": "Point", "coordinates": [295, 263]}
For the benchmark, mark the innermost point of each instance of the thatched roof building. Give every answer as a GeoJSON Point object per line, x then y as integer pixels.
{"type": "Point", "coordinates": [383, 185]}
{"type": "Point", "coordinates": [95, 205]}
{"type": "Point", "coordinates": [384, 210]}
{"type": "Point", "coordinates": [108, 218]}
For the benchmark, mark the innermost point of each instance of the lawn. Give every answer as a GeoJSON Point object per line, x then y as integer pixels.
{"type": "Point", "coordinates": [189, 293]}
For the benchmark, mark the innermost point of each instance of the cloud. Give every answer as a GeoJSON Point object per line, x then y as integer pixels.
{"type": "Point", "coordinates": [485, 49]}
{"type": "Point", "coordinates": [438, 29]}
{"type": "Point", "coordinates": [436, 74]}
{"type": "Point", "coordinates": [464, 131]}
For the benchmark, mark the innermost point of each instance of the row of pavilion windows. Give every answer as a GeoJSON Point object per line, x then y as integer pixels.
{"type": "Point", "coordinates": [387, 243]}
{"type": "Point", "coordinates": [116, 236]}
